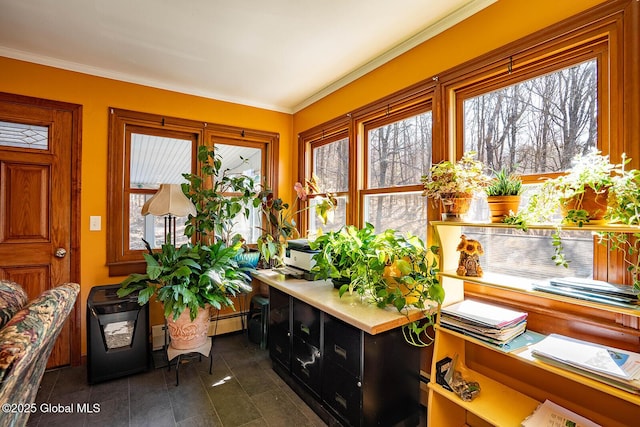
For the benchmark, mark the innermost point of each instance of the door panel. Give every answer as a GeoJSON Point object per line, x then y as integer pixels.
{"type": "Point", "coordinates": [36, 203]}
{"type": "Point", "coordinates": [26, 190]}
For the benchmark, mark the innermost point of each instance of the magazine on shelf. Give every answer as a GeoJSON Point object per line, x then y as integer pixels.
{"type": "Point", "coordinates": [616, 367]}
{"type": "Point", "coordinates": [632, 386]}
{"type": "Point", "coordinates": [549, 414]}
{"type": "Point", "coordinates": [483, 314]}
{"type": "Point", "coordinates": [488, 336]}
{"type": "Point", "coordinates": [592, 290]}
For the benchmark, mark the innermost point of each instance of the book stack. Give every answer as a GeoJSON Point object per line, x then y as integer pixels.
{"type": "Point", "coordinates": [486, 322]}
{"type": "Point", "coordinates": [613, 366]}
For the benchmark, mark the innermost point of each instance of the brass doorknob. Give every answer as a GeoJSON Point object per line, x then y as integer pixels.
{"type": "Point", "coordinates": [60, 252]}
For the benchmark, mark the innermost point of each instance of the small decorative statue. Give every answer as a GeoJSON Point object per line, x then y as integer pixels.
{"type": "Point", "coordinates": [469, 263]}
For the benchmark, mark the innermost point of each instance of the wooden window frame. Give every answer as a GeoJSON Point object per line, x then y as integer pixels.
{"type": "Point", "coordinates": [318, 136]}
{"type": "Point", "coordinates": [120, 259]}
{"type": "Point", "coordinates": [618, 21]}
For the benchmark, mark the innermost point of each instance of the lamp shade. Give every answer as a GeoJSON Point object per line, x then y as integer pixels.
{"type": "Point", "coordinates": [169, 200]}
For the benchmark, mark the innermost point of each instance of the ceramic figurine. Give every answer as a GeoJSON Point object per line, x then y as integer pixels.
{"type": "Point", "coordinates": [469, 263]}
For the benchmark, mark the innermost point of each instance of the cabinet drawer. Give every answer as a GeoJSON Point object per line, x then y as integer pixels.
{"type": "Point", "coordinates": [306, 323]}
{"type": "Point", "coordinates": [342, 392]}
{"type": "Point", "coordinates": [305, 364]}
{"type": "Point", "coordinates": [280, 346]}
{"type": "Point", "coordinates": [343, 345]}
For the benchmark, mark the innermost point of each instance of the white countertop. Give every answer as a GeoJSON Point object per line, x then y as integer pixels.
{"type": "Point", "coordinates": [350, 308]}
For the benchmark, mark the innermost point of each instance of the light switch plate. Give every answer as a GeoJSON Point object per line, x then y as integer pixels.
{"type": "Point", "coordinates": [95, 223]}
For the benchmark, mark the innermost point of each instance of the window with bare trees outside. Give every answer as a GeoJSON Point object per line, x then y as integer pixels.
{"type": "Point", "coordinates": [330, 164]}
{"type": "Point", "coordinates": [398, 150]}
{"type": "Point", "coordinates": [534, 128]}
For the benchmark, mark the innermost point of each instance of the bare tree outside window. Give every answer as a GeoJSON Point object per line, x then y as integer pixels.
{"type": "Point", "coordinates": [331, 165]}
{"type": "Point", "coordinates": [536, 126]}
{"type": "Point", "coordinates": [399, 153]}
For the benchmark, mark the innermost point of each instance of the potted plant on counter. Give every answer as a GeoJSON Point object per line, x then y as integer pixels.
{"type": "Point", "coordinates": [339, 252]}
{"type": "Point", "coordinates": [386, 269]}
{"type": "Point", "coordinates": [453, 185]}
{"type": "Point", "coordinates": [280, 225]}
{"type": "Point", "coordinates": [503, 195]}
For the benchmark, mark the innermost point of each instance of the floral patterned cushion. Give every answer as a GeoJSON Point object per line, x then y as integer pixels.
{"type": "Point", "coordinates": [25, 345]}
{"type": "Point", "coordinates": [12, 299]}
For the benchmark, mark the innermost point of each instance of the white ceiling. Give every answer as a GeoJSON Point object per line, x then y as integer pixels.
{"type": "Point", "coordinates": [276, 54]}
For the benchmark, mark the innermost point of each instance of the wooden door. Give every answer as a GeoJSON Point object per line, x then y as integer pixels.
{"type": "Point", "coordinates": [36, 140]}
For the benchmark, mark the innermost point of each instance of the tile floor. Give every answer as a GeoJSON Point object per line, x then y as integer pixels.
{"type": "Point", "coordinates": [243, 390]}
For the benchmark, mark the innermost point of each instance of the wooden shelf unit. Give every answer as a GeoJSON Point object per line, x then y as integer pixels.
{"type": "Point", "coordinates": [514, 383]}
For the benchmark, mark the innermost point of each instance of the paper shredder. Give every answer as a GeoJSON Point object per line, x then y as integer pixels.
{"type": "Point", "coordinates": [117, 334]}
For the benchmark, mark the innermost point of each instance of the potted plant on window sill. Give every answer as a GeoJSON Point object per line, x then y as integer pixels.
{"type": "Point", "coordinates": [616, 194]}
{"type": "Point", "coordinates": [503, 195]}
{"type": "Point", "coordinates": [453, 185]}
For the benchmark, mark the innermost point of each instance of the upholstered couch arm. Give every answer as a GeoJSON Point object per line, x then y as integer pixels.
{"type": "Point", "coordinates": [26, 342]}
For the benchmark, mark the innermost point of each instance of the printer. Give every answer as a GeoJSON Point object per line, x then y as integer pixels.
{"type": "Point", "coordinates": [298, 259]}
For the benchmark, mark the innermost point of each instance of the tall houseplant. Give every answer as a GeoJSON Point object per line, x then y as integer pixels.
{"type": "Point", "coordinates": [219, 197]}
{"type": "Point", "coordinates": [189, 279]}
{"type": "Point", "coordinates": [453, 185]}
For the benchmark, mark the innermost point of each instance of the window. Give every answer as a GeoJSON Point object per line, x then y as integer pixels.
{"type": "Point", "coordinates": [327, 150]}
{"type": "Point", "coordinates": [147, 150]}
{"type": "Point", "coordinates": [398, 153]}
{"type": "Point", "coordinates": [154, 160]}
{"type": "Point", "coordinates": [532, 117]}
{"type": "Point", "coordinates": [373, 159]}
{"type": "Point", "coordinates": [536, 126]}
{"type": "Point", "coordinates": [248, 161]}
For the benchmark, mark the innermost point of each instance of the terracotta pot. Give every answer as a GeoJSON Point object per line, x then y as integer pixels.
{"type": "Point", "coordinates": [188, 335]}
{"type": "Point", "coordinates": [500, 206]}
{"type": "Point", "coordinates": [594, 203]}
{"type": "Point", "coordinates": [454, 208]}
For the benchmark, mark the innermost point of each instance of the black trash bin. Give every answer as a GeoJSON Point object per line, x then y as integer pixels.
{"type": "Point", "coordinates": [258, 320]}
{"type": "Point", "coordinates": [117, 334]}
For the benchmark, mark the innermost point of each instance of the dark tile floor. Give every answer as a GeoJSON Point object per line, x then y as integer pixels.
{"type": "Point", "coordinates": [243, 390]}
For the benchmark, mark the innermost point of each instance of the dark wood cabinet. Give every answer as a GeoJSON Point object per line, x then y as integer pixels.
{"type": "Point", "coordinates": [280, 327]}
{"type": "Point", "coordinates": [349, 377]}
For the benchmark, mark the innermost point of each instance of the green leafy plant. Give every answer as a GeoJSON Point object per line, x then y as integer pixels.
{"type": "Point", "coordinates": [190, 276]}
{"type": "Point", "coordinates": [455, 179]}
{"type": "Point", "coordinates": [590, 171]}
{"type": "Point", "coordinates": [340, 252]}
{"type": "Point", "coordinates": [219, 197]}
{"type": "Point", "coordinates": [385, 269]}
{"type": "Point", "coordinates": [504, 183]}
{"type": "Point", "coordinates": [280, 224]}
{"type": "Point", "coordinates": [624, 208]}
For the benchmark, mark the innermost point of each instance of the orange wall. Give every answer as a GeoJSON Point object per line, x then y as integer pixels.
{"type": "Point", "coordinates": [493, 27]}
{"type": "Point", "coordinates": [96, 95]}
